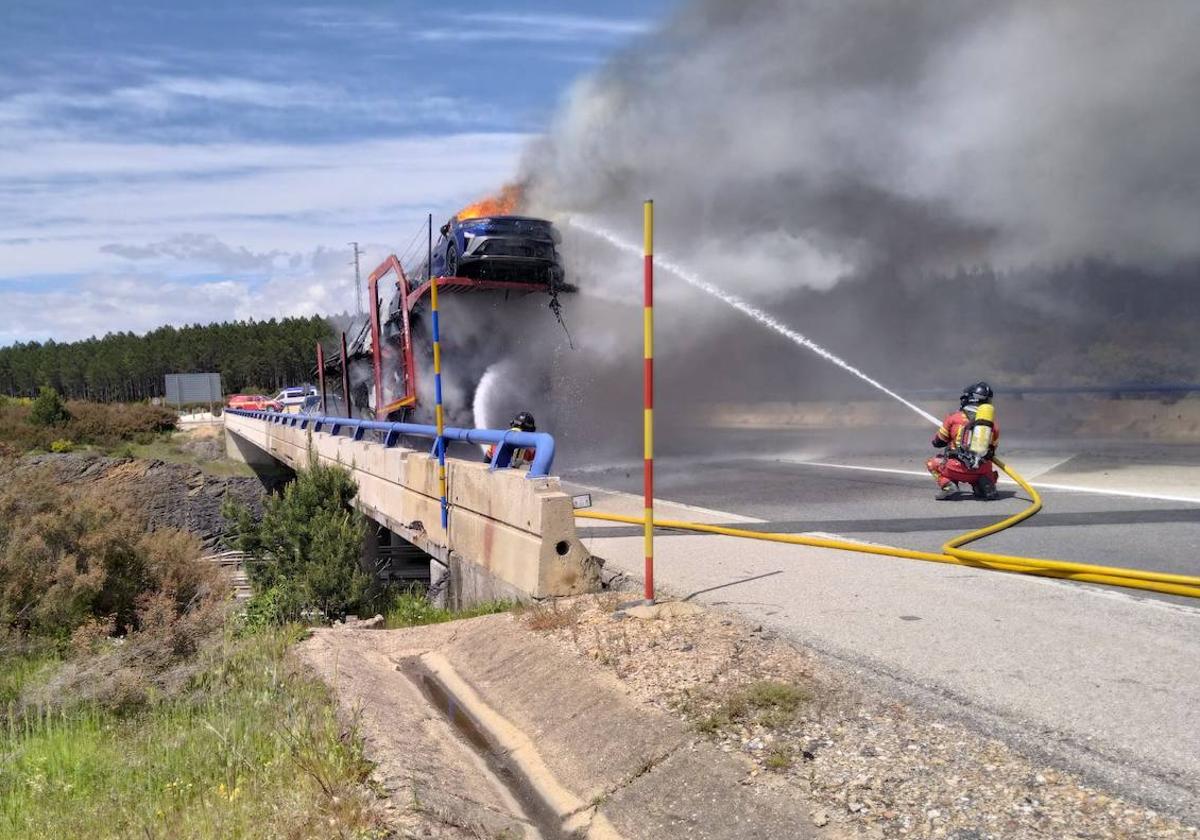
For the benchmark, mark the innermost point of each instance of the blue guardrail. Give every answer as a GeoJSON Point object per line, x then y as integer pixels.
{"type": "Point", "coordinates": [506, 441]}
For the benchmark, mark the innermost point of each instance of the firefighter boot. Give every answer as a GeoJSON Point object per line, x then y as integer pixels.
{"type": "Point", "coordinates": [984, 488]}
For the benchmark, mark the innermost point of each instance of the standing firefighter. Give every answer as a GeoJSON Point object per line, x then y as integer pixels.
{"type": "Point", "coordinates": [521, 456]}
{"type": "Point", "coordinates": [968, 438]}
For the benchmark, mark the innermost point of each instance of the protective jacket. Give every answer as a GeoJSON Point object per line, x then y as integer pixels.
{"type": "Point", "coordinates": [951, 438]}
{"type": "Point", "coordinates": [521, 455]}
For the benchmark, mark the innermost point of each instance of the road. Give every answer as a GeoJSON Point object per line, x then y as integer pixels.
{"type": "Point", "coordinates": [1101, 681]}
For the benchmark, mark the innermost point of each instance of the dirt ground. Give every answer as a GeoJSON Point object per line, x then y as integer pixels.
{"type": "Point", "coordinates": [876, 767]}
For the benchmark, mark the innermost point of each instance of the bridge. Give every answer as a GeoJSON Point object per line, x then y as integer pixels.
{"type": "Point", "coordinates": [506, 533]}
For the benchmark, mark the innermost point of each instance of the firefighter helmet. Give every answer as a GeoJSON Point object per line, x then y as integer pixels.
{"type": "Point", "coordinates": [976, 394]}
{"type": "Point", "coordinates": [524, 422]}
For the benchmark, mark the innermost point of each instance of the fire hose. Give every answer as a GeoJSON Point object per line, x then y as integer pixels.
{"type": "Point", "coordinates": [953, 552]}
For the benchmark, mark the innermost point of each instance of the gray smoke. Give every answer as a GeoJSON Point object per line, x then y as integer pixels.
{"type": "Point", "coordinates": [938, 192]}
{"type": "Point", "coordinates": [797, 142]}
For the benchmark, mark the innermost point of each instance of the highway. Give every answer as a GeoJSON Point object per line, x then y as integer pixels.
{"type": "Point", "coordinates": [1103, 681]}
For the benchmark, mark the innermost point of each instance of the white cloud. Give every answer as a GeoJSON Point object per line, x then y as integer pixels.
{"type": "Point", "coordinates": [539, 28]}
{"type": "Point", "coordinates": [271, 220]}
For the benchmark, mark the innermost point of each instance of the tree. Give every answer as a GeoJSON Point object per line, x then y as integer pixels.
{"type": "Point", "coordinates": [48, 409]}
{"type": "Point", "coordinates": [307, 547]}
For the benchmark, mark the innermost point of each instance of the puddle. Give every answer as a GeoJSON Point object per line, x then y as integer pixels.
{"type": "Point", "coordinates": [543, 819]}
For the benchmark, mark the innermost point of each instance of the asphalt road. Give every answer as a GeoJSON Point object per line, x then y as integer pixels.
{"type": "Point", "coordinates": [883, 496]}
{"type": "Point", "coordinates": [1105, 682]}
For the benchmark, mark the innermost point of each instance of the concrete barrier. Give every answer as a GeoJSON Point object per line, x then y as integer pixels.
{"type": "Point", "coordinates": [509, 536]}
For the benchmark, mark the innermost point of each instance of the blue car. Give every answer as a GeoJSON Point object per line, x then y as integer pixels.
{"type": "Point", "coordinates": [511, 249]}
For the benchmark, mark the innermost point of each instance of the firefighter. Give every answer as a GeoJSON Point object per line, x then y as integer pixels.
{"type": "Point", "coordinates": [968, 439]}
{"type": "Point", "coordinates": [521, 456]}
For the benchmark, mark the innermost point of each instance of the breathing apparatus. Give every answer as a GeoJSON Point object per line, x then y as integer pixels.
{"type": "Point", "coordinates": [976, 445]}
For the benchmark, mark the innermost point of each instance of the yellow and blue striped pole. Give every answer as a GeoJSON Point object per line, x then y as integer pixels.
{"type": "Point", "coordinates": [439, 415]}
{"type": "Point", "coordinates": [648, 394]}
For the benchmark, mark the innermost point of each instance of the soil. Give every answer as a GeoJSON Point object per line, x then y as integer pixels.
{"type": "Point", "coordinates": [166, 495]}
{"type": "Point", "coordinates": [875, 767]}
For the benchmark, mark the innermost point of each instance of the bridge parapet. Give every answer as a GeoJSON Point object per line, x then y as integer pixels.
{"type": "Point", "coordinates": [509, 535]}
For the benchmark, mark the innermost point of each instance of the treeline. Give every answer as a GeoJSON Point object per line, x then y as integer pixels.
{"type": "Point", "coordinates": [249, 355]}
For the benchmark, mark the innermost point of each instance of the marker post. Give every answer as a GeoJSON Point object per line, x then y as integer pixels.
{"type": "Point", "coordinates": [648, 394]}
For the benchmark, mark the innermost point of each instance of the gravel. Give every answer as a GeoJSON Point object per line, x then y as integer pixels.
{"type": "Point", "coordinates": [871, 766]}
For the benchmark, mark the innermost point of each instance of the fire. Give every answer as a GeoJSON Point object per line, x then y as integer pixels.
{"type": "Point", "coordinates": [501, 204]}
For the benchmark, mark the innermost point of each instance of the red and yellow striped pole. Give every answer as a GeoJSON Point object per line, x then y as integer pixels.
{"type": "Point", "coordinates": [648, 394]}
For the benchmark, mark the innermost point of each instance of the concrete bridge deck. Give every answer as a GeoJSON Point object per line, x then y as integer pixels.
{"type": "Point", "coordinates": [508, 535]}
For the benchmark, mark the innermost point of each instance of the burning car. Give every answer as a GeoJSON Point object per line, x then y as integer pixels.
{"type": "Point", "coordinates": [515, 249]}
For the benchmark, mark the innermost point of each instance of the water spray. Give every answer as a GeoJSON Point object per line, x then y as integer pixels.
{"type": "Point", "coordinates": [745, 308]}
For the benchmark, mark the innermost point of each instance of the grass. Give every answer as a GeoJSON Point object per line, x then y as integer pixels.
{"type": "Point", "coordinates": [768, 703]}
{"type": "Point", "coordinates": [548, 616]}
{"type": "Point", "coordinates": [17, 671]}
{"type": "Point", "coordinates": [412, 609]}
{"type": "Point", "coordinates": [252, 748]}
{"type": "Point", "coordinates": [779, 758]}
{"type": "Point", "coordinates": [167, 447]}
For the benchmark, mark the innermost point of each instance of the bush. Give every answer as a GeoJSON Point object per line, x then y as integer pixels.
{"type": "Point", "coordinates": [62, 445]}
{"type": "Point", "coordinates": [108, 424]}
{"type": "Point", "coordinates": [308, 545]}
{"type": "Point", "coordinates": [48, 409]}
{"type": "Point", "coordinates": [24, 426]}
{"type": "Point", "coordinates": [68, 559]}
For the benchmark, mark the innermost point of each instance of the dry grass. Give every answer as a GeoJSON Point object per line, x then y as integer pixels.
{"type": "Point", "coordinates": [771, 704]}
{"type": "Point", "coordinates": [548, 615]}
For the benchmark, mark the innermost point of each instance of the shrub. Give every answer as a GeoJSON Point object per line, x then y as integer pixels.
{"type": "Point", "coordinates": [25, 426]}
{"type": "Point", "coordinates": [308, 545]}
{"type": "Point", "coordinates": [62, 445]}
{"type": "Point", "coordinates": [108, 424]}
{"type": "Point", "coordinates": [68, 559]}
{"type": "Point", "coordinates": [48, 409]}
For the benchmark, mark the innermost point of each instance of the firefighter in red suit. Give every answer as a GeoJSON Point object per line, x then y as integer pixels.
{"type": "Point", "coordinates": [957, 463]}
{"type": "Point", "coordinates": [521, 456]}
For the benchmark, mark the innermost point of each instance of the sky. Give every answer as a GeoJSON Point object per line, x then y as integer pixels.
{"type": "Point", "coordinates": [185, 162]}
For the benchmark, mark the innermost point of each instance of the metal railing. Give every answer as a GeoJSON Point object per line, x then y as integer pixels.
{"type": "Point", "coordinates": [505, 442]}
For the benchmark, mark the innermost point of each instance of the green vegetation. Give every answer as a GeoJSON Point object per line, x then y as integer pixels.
{"type": "Point", "coordinates": [48, 409]}
{"type": "Point", "coordinates": [779, 757]}
{"type": "Point", "coordinates": [181, 448]}
{"type": "Point", "coordinates": [69, 561]}
{"type": "Point", "coordinates": [412, 609]}
{"type": "Point", "coordinates": [307, 548]}
{"type": "Point", "coordinates": [768, 703]}
{"type": "Point", "coordinates": [128, 367]}
{"type": "Point", "coordinates": [249, 747]}
{"type": "Point", "coordinates": [46, 421]}
{"type": "Point", "coordinates": [130, 706]}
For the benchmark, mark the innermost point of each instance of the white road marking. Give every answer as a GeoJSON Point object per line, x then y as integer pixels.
{"type": "Point", "coordinates": [1005, 479]}
{"type": "Point", "coordinates": [1063, 586]}
{"type": "Point", "coordinates": [723, 516]}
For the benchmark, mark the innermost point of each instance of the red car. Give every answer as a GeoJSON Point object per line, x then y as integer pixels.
{"type": "Point", "coordinates": [253, 402]}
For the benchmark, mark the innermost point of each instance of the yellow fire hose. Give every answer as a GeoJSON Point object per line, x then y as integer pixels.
{"type": "Point", "coordinates": [1170, 584]}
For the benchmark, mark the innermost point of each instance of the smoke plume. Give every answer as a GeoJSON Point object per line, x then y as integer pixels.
{"type": "Point", "coordinates": [839, 138]}
{"type": "Point", "coordinates": [939, 192]}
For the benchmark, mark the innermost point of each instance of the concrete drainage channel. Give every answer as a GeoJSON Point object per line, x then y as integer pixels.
{"type": "Point", "coordinates": [542, 820]}
{"type": "Point", "coordinates": [490, 726]}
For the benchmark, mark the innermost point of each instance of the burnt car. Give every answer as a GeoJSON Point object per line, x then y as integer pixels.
{"type": "Point", "coordinates": [511, 249]}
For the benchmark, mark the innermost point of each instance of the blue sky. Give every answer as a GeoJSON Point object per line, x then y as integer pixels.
{"type": "Point", "coordinates": [174, 162]}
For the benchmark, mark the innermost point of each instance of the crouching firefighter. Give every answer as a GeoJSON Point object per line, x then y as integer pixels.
{"type": "Point", "coordinates": [521, 456]}
{"type": "Point", "coordinates": [968, 439]}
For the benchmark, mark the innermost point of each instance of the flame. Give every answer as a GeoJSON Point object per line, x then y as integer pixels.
{"type": "Point", "coordinates": [501, 204]}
